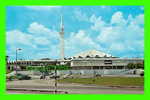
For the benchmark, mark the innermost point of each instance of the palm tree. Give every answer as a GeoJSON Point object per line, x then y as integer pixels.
{"type": "Point", "coordinates": [140, 65]}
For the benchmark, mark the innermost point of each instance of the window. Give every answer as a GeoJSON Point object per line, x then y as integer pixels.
{"type": "Point", "coordinates": [107, 61]}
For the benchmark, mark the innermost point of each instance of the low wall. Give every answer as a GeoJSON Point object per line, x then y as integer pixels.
{"type": "Point", "coordinates": [87, 72]}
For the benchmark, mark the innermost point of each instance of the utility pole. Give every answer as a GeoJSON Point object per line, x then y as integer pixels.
{"type": "Point", "coordinates": [56, 78]}
{"type": "Point", "coordinates": [18, 49]}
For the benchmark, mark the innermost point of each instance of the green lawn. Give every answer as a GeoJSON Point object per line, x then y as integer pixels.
{"type": "Point", "coordinates": [107, 81]}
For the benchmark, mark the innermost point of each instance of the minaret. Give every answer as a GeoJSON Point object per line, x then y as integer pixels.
{"type": "Point", "coordinates": [61, 33]}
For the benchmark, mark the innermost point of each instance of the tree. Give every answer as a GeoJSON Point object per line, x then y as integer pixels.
{"type": "Point", "coordinates": [135, 65]}
{"type": "Point", "coordinates": [105, 56]}
{"type": "Point", "coordinates": [140, 65]}
{"type": "Point", "coordinates": [131, 66]}
{"type": "Point", "coordinates": [48, 68]}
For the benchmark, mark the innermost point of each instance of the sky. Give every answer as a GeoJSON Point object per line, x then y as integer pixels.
{"type": "Point", "coordinates": [116, 30]}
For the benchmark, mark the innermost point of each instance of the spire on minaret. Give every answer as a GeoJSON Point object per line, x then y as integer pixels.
{"type": "Point", "coordinates": [62, 24]}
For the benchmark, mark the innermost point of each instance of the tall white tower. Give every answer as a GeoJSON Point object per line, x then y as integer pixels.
{"type": "Point", "coordinates": [61, 33]}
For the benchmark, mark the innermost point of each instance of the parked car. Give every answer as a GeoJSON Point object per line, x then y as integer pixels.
{"type": "Point", "coordinates": [142, 73]}
{"type": "Point", "coordinates": [23, 77]}
{"type": "Point", "coordinates": [53, 77]}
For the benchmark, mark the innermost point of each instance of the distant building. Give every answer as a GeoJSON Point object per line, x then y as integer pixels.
{"type": "Point", "coordinates": [93, 59]}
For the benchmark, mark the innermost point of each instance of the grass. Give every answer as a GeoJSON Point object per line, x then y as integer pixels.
{"type": "Point", "coordinates": [107, 81]}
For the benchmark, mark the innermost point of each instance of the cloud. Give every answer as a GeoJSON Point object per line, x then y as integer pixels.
{"type": "Point", "coordinates": [41, 8]}
{"type": "Point", "coordinates": [139, 19]}
{"type": "Point", "coordinates": [78, 42]}
{"type": "Point", "coordinates": [98, 23]}
{"type": "Point", "coordinates": [108, 34]}
{"type": "Point", "coordinates": [82, 38]}
{"type": "Point", "coordinates": [18, 37]}
{"type": "Point", "coordinates": [39, 29]}
{"type": "Point", "coordinates": [117, 18]}
{"type": "Point", "coordinates": [33, 41]}
{"type": "Point", "coordinates": [37, 34]}
{"type": "Point", "coordinates": [80, 15]}
{"type": "Point", "coordinates": [117, 47]}
{"type": "Point", "coordinates": [125, 36]}
{"type": "Point", "coordinates": [41, 41]}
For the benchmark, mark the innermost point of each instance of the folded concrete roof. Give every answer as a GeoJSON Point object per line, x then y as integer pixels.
{"type": "Point", "coordinates": [92, 53]}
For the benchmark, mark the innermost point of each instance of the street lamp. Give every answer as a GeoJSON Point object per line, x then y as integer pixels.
{"type": "Point", "coordinates": [7, 63]}
{"type": "Point", "coordinates": [17, 49]}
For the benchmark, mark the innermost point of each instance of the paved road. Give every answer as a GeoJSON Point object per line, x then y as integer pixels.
{"type": "Point", "coordinates": [46, 85]}
{"type": "Point", "coordinates": [79, 91]}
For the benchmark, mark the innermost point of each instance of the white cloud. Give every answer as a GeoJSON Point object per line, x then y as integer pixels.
{"type": "Point", "coordinates": [41, 40]}
{"type": "Point", "coordinates": [37, 28]}
{"type": "Point", "coordinates": [139, 19]}
{"type": "Point", "coordinates": [117, 47]}
{"type": "Point", "coordinates": [80, 15]}
{"type": "Point", "coordinates": [123, 37]}
{"type": "Point", "coordinates": [40, 30]}
{"type": "Point", "coordinates": [98, 23]}
{"type": "Point", "coordinates": [32, 40]}
{"type": "Point", "coordinates": [37, 34]}
{"type": "Point", "coordinates": [80, 41]}
{"type": "Point", "coordinates": [82, 38]}
{"type": "Point", "coordinates": [117, 18]}
{"type": "Point", "coordinates": [107, 34]}
{"type": "Point", "coordinates": [18, 37]}
{"type": "Point", "coordinates": [39, 8]}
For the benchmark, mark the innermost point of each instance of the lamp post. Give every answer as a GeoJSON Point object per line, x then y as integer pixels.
{"type": "Point", "coordinates": [18, 49]}
{"type": "Point", "coordinates": [7, 63]}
